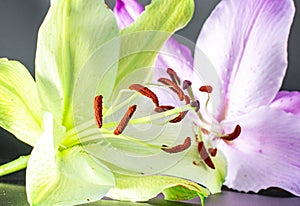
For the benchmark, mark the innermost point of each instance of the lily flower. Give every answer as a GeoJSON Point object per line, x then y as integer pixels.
{"type": "Point", "coordinates": [85, 112]}
{"type": "Point", "coordinates": [254, 125]}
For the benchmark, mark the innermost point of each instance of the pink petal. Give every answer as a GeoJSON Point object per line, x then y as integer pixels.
{"type": "Point", "coordinates": [266, 154]}
{"type": "Point", "coordinates": [247, 43]}
{"type": "Point", "coordinates": [287, 101]}
{"type": "Point", "coordinates": [127, 11]}
{"type": "Point", "coordinates": [176, 56]}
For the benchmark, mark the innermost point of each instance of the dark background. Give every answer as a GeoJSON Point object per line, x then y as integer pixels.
{"type": "Point", "coordinates": [19, 23]}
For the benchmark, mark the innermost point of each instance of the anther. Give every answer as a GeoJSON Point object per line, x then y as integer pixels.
{"type": "Point", "coordinates": [204, 155]}
{"type": "Point", "coordinates": [124, 121]}
{"type": "Point", "coordinates": [146, 92]}
{"type": "Point", "coordinates": [232, 136]}
{"type": "Point", "coordinates": [173, 75]}
{"type": "Point", "coordinates": [163, 108]}
{"type": "Point", "coordinates": [178, 148]}
{"type": "Point", "coordinates": [98, 110]}
{"type": "Point", "coordinates": [196, 104]}
{"type": "Point", "coordinates": [212, 151]}
{"type": "Point", "coordinates": [206, 88]}
{"type": "Point", "coordinates": [186, 84]}
{"type": "Point", "coordinates": [204, 131]}
{"type": "Point", "coordinates": [174, 87]}
{"type": "Point", "coordinates": [179, 117]}
{"type": "Point", "coordinates": [187, 99]}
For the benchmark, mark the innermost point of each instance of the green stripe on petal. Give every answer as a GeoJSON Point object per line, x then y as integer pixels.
{"type": "Point", "coordinates": [19, 104]}
{"type": "Point", "coordinates": [141, 41]}
{"type": "Point", "coordinates": [71, 33]}
{"type": "Point", "coordinates": [143, 188]}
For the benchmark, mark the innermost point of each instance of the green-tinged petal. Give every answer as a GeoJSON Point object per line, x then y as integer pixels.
{"type": "Point", "coordinates": [71, 33]}
{"type": "Point", "coordinates": [134, 188]}
{"type": "Point", "coordinates": [201, 173]}
{"type": "Point", "coordinates": [20, 111]}
{"type": "Point", "coordinates": [65, 177]}
{"type": "Point", "coordinates": [141, 41]}
{"type": "Point", "coordinates": [182, 193]}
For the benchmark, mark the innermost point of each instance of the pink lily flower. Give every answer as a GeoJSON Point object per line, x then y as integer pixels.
{"type": "Point", "coordinates": [246, 42]}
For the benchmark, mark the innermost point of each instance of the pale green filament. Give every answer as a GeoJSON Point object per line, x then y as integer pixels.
{"type": "Point", "coordinates": [115, 107]}
{"type": "Point", "coordinates": [87, 131]}
{"type": "Point", "coordinates": [150, 118]}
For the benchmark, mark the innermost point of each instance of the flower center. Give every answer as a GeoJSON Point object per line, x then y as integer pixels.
{"type": "Point", "coordinates": [158, 112]}
{"type": "Point", "coordinates": [204, 123]}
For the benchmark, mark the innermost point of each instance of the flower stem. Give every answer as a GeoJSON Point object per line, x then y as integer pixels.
{"type": "Point", "coordinates": [14, 166]}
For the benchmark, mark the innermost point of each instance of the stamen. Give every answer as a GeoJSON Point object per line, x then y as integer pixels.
{"type": "Point", "coordinates": [98, 110]}
{"type": "Point", "coordinates": [187, 99]}
{"type": "Point", "coordinates": [163, 108]}
{"type": "Point", "coordinates": [146, 92]}
{"type": "Point", "coordinates": [124, 121]}
{"type": "Point", "coordinates": [179, 117]}
{"type": "Point", "coordinates": [173, 75]}
{"type": "Point", "coordinates": [178, 148]}
{"type": "Point", "coordinates": [204, 155]}
{"type": "Point", "coordinates": [212, 151]}
{"type": "Point", "coordinates": [186, 84]}
{"type": "Point", "coordinates": [204, 131]}
{"type": "Point", "coordinates": [236, 132]}
{"type": "Point", "coordinates": [206, 88]}
{"type": "Point", "coordinates": [174, 87]}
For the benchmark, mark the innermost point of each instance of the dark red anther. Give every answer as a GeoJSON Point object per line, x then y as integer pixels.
{"type": "Point", "coordinates": [204, 131]}
{"type": "Point", "coordinates": [163, 108]}
{"type": "Point", "coordinates": [98, 110]}
{"type": "Point", "coordinates": [173, 75]}
{"type": "Point", "coordinates": [206, 88]}
{"type": "Point", "coordinates": [174, 87]}
{"type": "Point", "coordinates": [186, 84]}
{"type": "Point", "coordinates": [178, 148]}
{"type": "Point", "coordinates": [187, 99]}
{"type": "Point", "coordinates": [146, 92]}
{"type": "Point", "coordinates": [212, 151]}
{"type": "Point", "coordinates": [124, 121]}
{"type": "Point", "coordinates": [179, 117]}
{"type": "Point", "coordinates": [232, 136]}
{"type": "Point", "coordinates": [204, 155]}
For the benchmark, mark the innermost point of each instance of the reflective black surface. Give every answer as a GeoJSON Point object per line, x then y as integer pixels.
{"type": "Point", "coordinates": [12, 193]}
